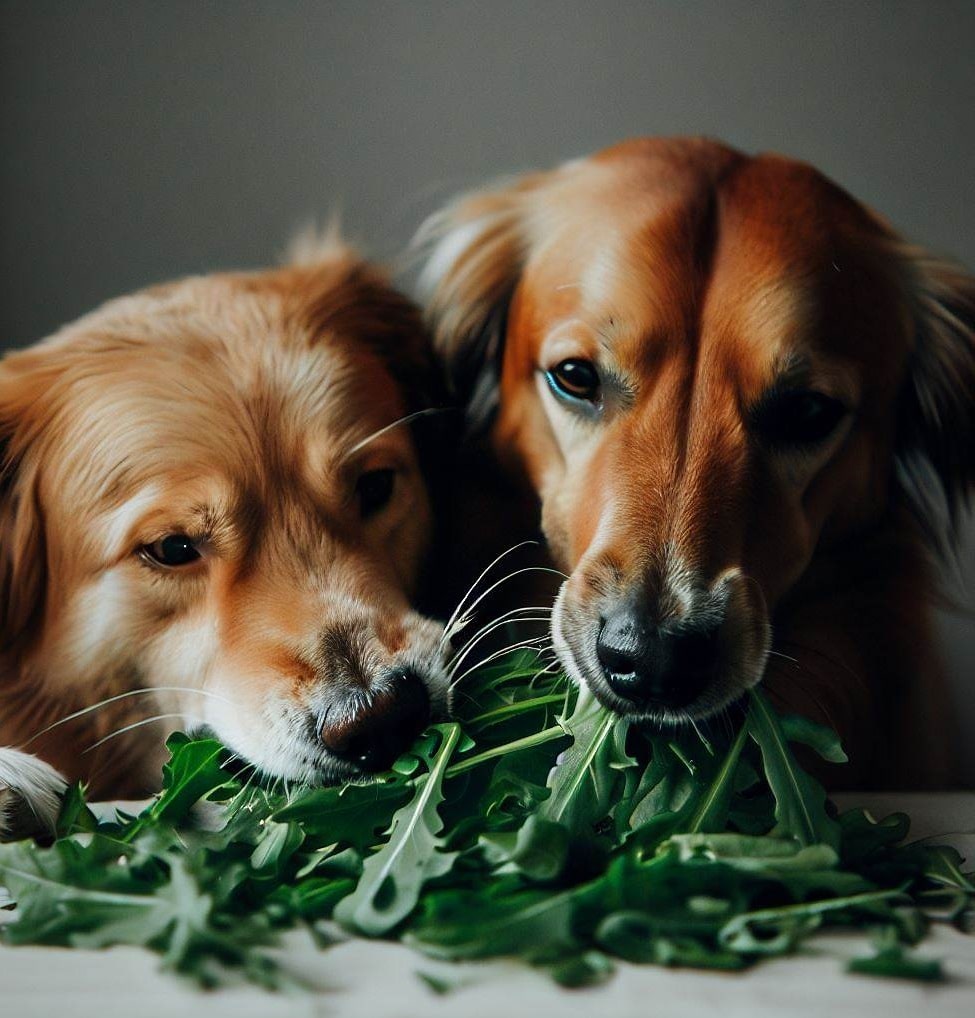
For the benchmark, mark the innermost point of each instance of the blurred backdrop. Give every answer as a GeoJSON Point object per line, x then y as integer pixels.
{"type": "Point", "coordinates": [143, 141]}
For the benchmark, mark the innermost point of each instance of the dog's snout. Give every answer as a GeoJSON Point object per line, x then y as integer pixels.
{"type": "Point", "coordinates": [655, 666]}
{"type": "Point", "coordinates": [373, 736]}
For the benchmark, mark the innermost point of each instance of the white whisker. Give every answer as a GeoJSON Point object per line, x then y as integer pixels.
{"type": "Point", "coordinates": [129, 728]}
{"type": "Point", "coordinates": [498, 624]}
{"type": "Point", "coordinates": [470, 590]}
{"type": "Point", "coordinates": [247, 784]}
{"type": "Point", "coordinates": [775, 653]}
{"type": "Point", "coordinates": [499, 653]}
{"type": "Point", "coordinates": [510, 616]}
{"type": "Point", "coordinates": [122, 696]}
{"type": "Point", "coordinates": [389, 427]}
{"type": "Point", "coordinates": [468, 614]}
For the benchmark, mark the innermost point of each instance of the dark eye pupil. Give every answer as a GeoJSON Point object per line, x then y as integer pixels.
{"type": "Point", "coordinates": [798, 418]}
{"type": "Point", "coordinates": [576, 378]}
{"type": "Point", "coordinates": [174, 550]}
{"type": "Point", "coordinates": [374, 488]}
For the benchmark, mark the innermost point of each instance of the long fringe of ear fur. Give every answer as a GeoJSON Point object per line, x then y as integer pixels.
{"type": "Point", "coordinates": [937, 423]}
{"type": "Point", "coordinates": [22, 552]}
{"type": "Point", "coordinates": [474, 251]}
{"type": "Point", "coordinates": [315, 244]}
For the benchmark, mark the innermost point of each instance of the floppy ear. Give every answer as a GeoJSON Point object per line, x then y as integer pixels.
{"type": "Point", "coordinates": [475, 251]}
{"type": "Point", "coordinates": [22, 547]}
{"type": "Point", "coordinates": [937, 424]}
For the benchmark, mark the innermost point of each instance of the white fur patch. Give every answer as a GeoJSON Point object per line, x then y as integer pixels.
{"type": "Point", "coordinates": [601, 277]}
{"type": "Point", "coordinates": [27, 781]}
{"type": "Point", "coordinates": [448, 249]}
{"type": "Point", "coordinates": [93, 633]}
{"type": "Point", "coordinates": [120, 522]}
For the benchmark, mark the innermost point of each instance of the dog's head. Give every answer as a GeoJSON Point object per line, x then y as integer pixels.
{"type": "Point", "coordinates": [209, 486]}
{"type": "Point", "coordinates": [708, 366]}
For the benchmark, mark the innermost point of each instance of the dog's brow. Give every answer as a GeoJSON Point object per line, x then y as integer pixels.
{"type": "Point", "coordinates": [798, 370]}
{"type": "Point", "coordinates": [612, 377]}
{"type": "Point", "coordinates": [604, 341]}
{"type": "Point", "coordinates": [623, 389]}
{"type": "Point", "coordinates": [208, 517]}
{"type": "Point", "coordinates": [791, 370]}
{"type": "Point", "coordinates": [125, 516]}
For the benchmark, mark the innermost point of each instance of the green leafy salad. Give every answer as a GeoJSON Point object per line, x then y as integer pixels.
{"type": "Point", "coordinates": [538, 826]}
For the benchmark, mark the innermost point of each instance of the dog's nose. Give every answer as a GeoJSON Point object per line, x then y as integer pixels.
{"type": "Point", "coordinates": [373, 736]}
{"type": "Point", "coordinates": [652, 666]}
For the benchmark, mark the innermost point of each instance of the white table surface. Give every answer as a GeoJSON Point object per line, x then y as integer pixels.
{"type": "Point", "coordinates": [377, 980]}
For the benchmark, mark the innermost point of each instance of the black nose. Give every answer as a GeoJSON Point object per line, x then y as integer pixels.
{"type": "Point", "coordinates": [374, 735]}
{"type": "Point", "coordinates": [654, 666]}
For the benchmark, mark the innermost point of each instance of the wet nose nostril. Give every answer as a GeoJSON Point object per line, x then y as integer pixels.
{"type": "Point", "coordinates": [697, 653]}
{"type": "Point", "coordinates": [629, 648]}
{"type": "Point", "coordinates": [616, 661]}
{"type": "Point", "coordinates": [375, 734]}
{"type": "Point", "coordinates": [645, 664]}
{"type": "Point", "coordinates": [411, 705]}
{"type": "Point", "coordinates": [350, 744]}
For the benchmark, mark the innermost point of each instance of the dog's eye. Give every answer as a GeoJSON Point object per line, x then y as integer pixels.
{"type": "Point", "coordinates": [577, 379]}
{"type": "Point", "coordinates": [374, 489]}
{"type": "Point", "coordinates": [173, 550]}
{"type": "Point", "coordinates": [798, 417]}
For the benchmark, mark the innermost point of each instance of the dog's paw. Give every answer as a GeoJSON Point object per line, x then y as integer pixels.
{"type": "Point", "coordinates": [30, 795]}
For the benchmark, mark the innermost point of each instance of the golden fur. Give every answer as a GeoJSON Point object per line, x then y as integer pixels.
{"type": "Point", "coordinates": [700, 282]}
{"type": "Point", "coordinates": [242, 410]}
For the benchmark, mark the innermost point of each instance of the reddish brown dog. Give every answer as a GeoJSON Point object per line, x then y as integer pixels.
{"type": "Point", "coordinates": [739, 398]}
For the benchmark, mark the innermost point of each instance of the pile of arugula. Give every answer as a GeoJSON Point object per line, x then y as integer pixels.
{"type": "Point", "coordinates": [538, 826]}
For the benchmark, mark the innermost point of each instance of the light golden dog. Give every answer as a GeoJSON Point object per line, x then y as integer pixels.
{"type": "Point", "coordinates": [741, 401]}
{"type": "Point", "coordinates": [212, 498]}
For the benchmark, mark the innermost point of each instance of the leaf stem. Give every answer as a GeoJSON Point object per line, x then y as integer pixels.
{"type": "Point", "coordinates": [518, 707]}
{"type": "Point", "coordinates": [547, 735]}
{"type": "Point", "coordinates": [88, 894]}
{"type": "Point", "coordinates": [810, 908]}
{"type": "Point", "coordinates": [711, 801]}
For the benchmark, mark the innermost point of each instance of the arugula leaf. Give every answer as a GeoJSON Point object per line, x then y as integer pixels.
{"type": "Point", "coordinates": [75, 815]}
{"type": "Point", "coordinates": [711, 810]}
{"type": "Point", "coordinates": [942, 866]}
{"type": "Point", "coordinates": [349, 815]}
{"type": "Point", "coordinates": [864, 838]}
{"type": "Point", "coordinates": [588, 968]}
{"type": "Point", "coordinates": [566, 843]}
{"type": "Point", "coordinates": [586, 776]}
{"type": "Point", "coordinates": [818, 737]}
{"type": "Point", "coordinates": [538, 849]}
{"type": "Point", "coordinates": [193, 772]}
{"type": "Point", "coordinates": [663, 790]}
{"type": "Point", "coordinates": [799, 800]}
{"type": "Point", "coordinates": [634, 937]}
{"type": "Point", "coordinates": [756, 854]}
{"type": "Point", "coordinates": [898, 964]}
{"type": "Point", "coordinates": [892, 960]}
{"type": "Point", "coordinates": [393, 878]}
{"type": "Point", "coordinates": [473, 924]}
{"type": "Point", "coordinates": [773, 930]}
{"type": "Point", "coordinates": [279, 844]}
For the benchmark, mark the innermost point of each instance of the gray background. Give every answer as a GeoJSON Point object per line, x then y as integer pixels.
{"type": "Point", "coordinates": [143, 141]}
